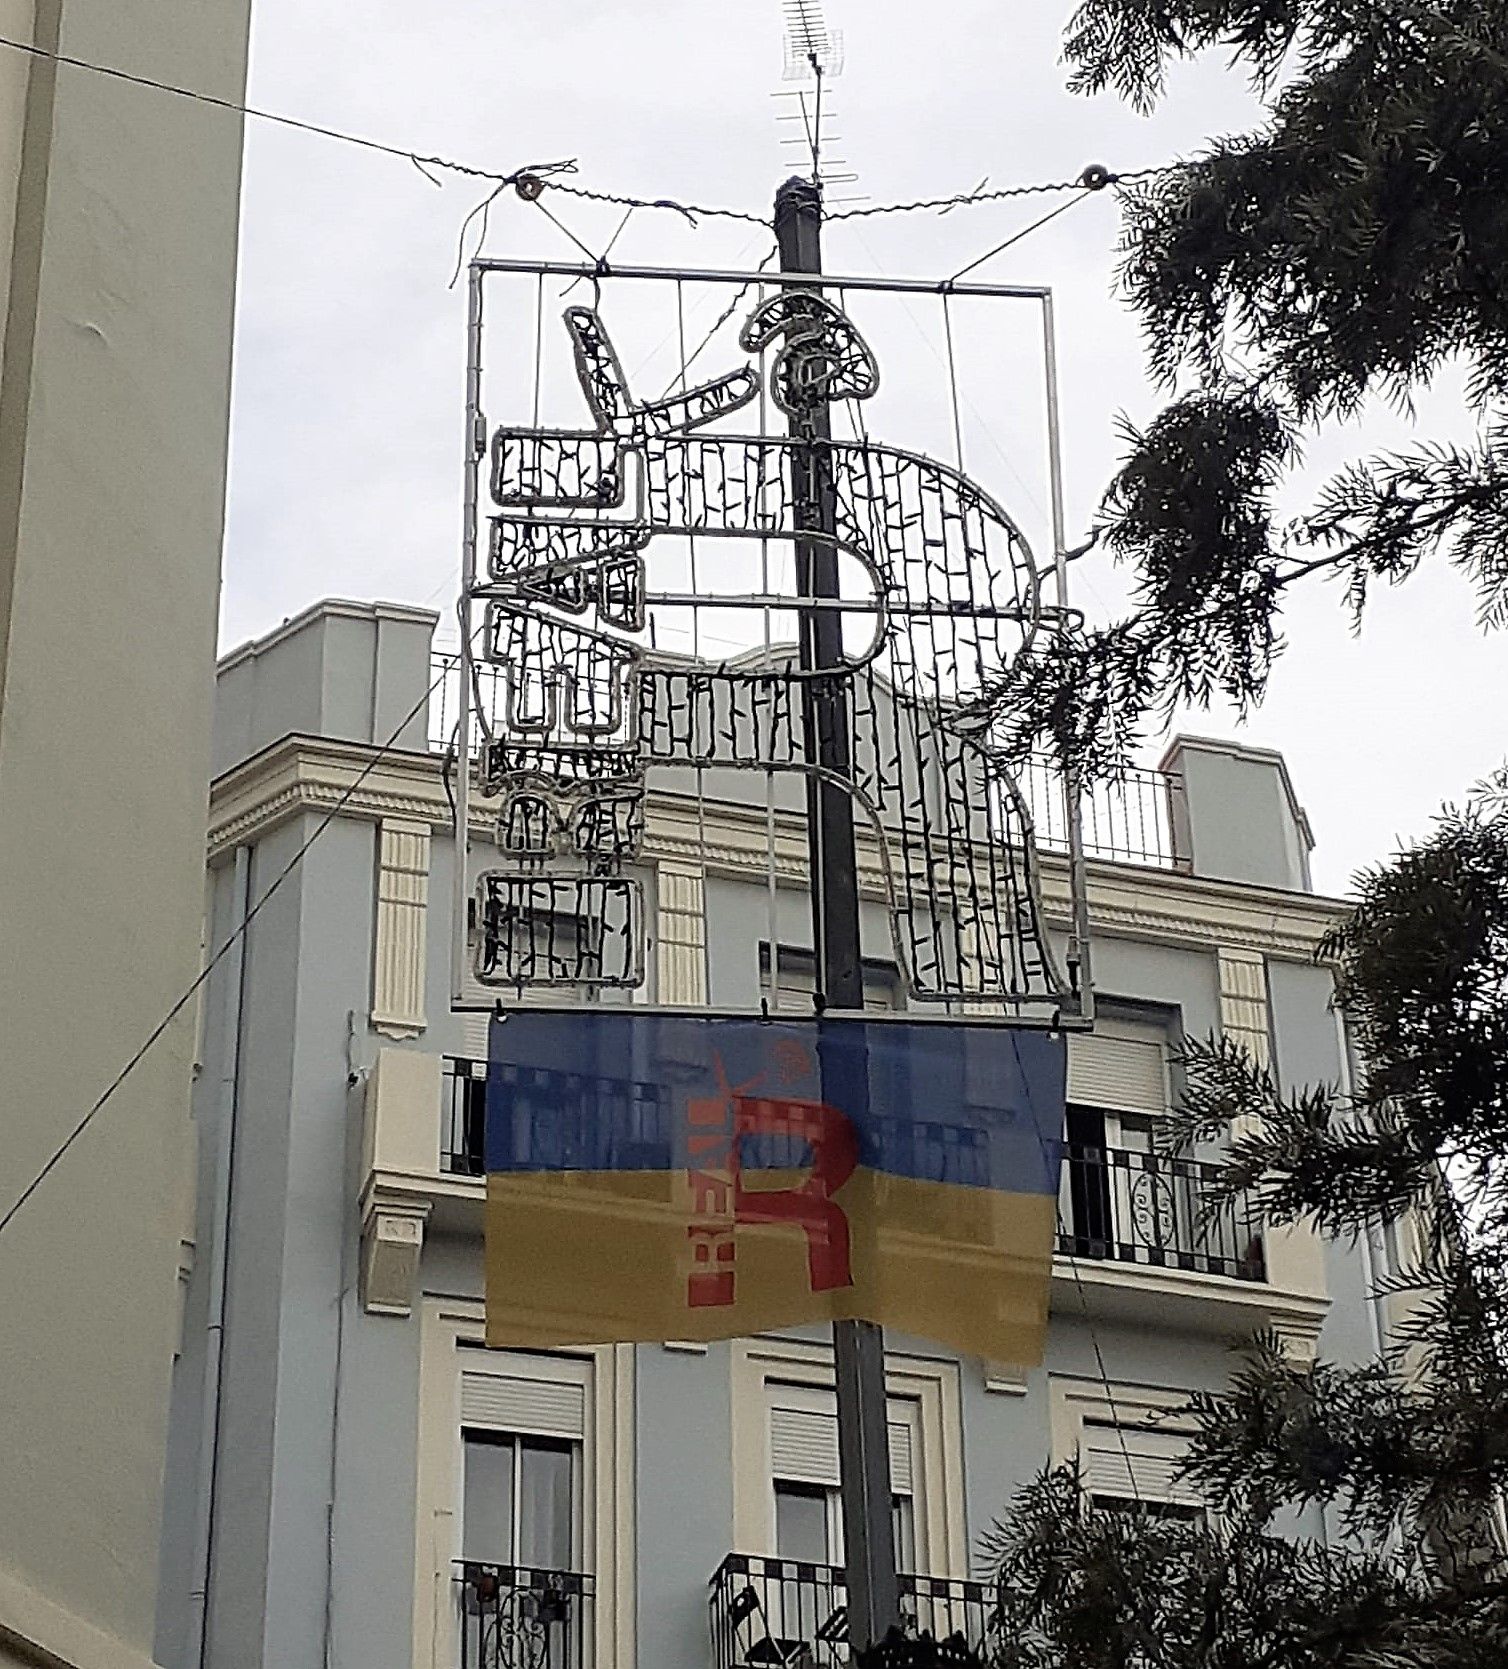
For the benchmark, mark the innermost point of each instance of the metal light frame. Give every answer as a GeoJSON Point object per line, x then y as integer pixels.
{"type": "Point", "coordinates": [973, 1006]}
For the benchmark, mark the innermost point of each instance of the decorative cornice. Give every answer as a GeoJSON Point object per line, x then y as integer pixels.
{"type": "Point", "coordinates": [310, 774]}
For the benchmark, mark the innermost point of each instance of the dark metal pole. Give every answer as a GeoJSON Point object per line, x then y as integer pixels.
{"type": "Point", "coordinates": [858, 1346]}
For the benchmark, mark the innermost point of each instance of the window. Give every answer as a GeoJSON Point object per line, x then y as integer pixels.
{"type": "Point", "coordinates": [524, 1528]}
{"type": "Point", "coordinates": [520, 1501]}
{"type": "Point", "coordinates": [1134, 1469]}
{"type": "Point", "coordinates": [785, 1454]}
{"type": "Point", "coordinates": [1118, 1199]}
{"type": "Point", "coordinates": [809, 1525]}
{"type": "Point", "coordinates": [796, 985]}
{"type": "Point", "coordinates": [808, 1515]}
{"type": "Point", "coordinates": [1128, 1443]}
{"type": "Point", "coordinates": [521, 1439]}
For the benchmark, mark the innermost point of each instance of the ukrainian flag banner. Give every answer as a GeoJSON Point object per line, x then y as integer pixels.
{"type": "Point", "coordinates": [694, 1177]}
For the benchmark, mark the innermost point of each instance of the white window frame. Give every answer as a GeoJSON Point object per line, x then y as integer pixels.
{"type": "Point", "coordinates": [535, 1369]}
{"type": "Point", "coordinates": [884, 991]}
{"type": "Point", "coordinates": [1074, 1403]}
{"type": "Point", "coordinates": [809, 1400]}
{"type": "Point", "coordinates": [606, 1372]}
{"type": "Point", "coordinates": [760, 1367]}
{"type": "Point", "coordinates": [1150, 1109]}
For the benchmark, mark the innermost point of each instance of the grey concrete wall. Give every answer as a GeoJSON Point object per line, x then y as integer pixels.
{"type": "Point", "coordinates": [375, 1502]}
{"type": "Point", "coordinates": [738, 921]}
{"type": "Point", "coordinates": [1164, 975]}
{"type": "Point", "coordinates": [1237, 817]}
{"type": "Point", "coordinates": [351, 671]}
{"type": "Point", "coordinates": [177, 1567]}
{"type": "Point", "coordinates": [1309, 1054]}
{"type": "Point", "coordinates": [291, 1280]}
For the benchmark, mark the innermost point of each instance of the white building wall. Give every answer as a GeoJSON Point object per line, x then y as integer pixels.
{"type": "Point", "coordinates": [118, 229]}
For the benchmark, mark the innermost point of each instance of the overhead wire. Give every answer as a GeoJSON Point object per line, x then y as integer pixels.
{"type": "Point", "coordinates": [532, 179]}
{"type": "Point", "coordinates": [1025, 232]}
{"type": "Point", "coordinates": [1094, 178]}
{"type": "Point", "coordinates": [403, 152]}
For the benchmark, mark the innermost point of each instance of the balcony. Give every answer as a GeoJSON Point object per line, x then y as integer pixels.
{"type": "Point", "coordinates": [512, 1617]}
{"type": "Point", "coordinates": [463, 1112]}
{"type": "Point", "coordinates": [780, 1613]}
{"type": "Point", "coordinates": [1131, 1246]}
{"type": "Point", "coordinates": [1150, 1209]}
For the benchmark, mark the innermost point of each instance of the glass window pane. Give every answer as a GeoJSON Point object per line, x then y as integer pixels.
{"type": "Point", "coordinates": [903, 1526]}
{"type": "Point", "coordinates": [545, 1491]}
{"type": "Point", "coordinates": [487, 1506]}
{"type": "Point", "coordinates": [801, 1518]}
{"type": "Point", "coordinates": [1136, 1132]}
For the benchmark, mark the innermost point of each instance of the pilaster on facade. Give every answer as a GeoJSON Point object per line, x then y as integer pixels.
{"type": "Point", "coordinates": [398, 953]}
{"type": "Point", "coordinates": [1293, 1253]}
{"type": "Point", "coordinates": [681, 935]}
{"type": "Point", "coordinates": [400, 1166]}
{"type": "Point", "coordinates": [1245, 1016]}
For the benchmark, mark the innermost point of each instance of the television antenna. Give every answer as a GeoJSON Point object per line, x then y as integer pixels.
{"type": "Point", "coordinates": [813, 57]}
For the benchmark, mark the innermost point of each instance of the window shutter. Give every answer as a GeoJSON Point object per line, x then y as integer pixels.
{"type": "Point", "coordinates": [804, 1446]}
{"type": "Point", "coordinates": [804, 1449]}
{"type": "Point", "coordinates": [474, 1030]}
{"type": "Point", "coordinates": [901, 1480]}
{"type": "Point", "coordinates": [534, 1407]}
{"type": "Point", "coordinates": [1132, 1463]}
{"type": "Point", "coordinates": [1123, 1074]}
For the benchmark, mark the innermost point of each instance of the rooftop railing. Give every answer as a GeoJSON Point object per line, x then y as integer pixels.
{"type": "Point", "coordinates": [1126, 819]}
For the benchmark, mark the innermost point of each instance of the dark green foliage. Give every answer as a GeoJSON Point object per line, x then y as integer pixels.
{"type": "Point", "coordinates": [1129, 1591]}
{"type": "Point", "coordinates": [1351, 247]}
{"type": "Point", "coordinates": [899, 1650]}
{"type": "Point", "coordinates": [1191, 511]}
{"type": "Point", "coordinates": [1407, 1457]}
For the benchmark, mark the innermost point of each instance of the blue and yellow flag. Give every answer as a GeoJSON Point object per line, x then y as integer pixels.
{"type": "Point", "coordinates": [694, 1177]}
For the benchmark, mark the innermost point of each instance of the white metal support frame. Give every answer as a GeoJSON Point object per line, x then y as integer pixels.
{"type": "Point", "coordinates": [480, 593]}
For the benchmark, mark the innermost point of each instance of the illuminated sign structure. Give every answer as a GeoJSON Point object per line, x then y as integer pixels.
{"type": "Point", "coordinates": [563, 527]}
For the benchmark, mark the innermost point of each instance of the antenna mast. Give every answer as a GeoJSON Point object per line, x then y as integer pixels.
{"type": "Point", "coordinates": [858, 1346]}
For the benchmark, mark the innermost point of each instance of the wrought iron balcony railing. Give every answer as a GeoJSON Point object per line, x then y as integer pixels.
{"type": "Point", "coordinates": [463, 1116]}
{"type": "Point", "coordinates": [1126, 819]}
{"type": "Point", "coordinates": [515, 1617]}
{"type": "Point", "coordinates": [1126, 1206]}
{"type": "Point", "coordinates": [786, 1614]}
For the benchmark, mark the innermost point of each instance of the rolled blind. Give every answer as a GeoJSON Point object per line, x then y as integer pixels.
{"type": "Point", "coordinates": [804, 1449]}
{"type": "Point", "coordinates": [1121, 1073]}
{"type": "Point", "coordinates": [534, 1407]}
{"type": "Point", "coordinates": [474, 1035]}
{"type": "Point", "coordinates": [1132, 1463]}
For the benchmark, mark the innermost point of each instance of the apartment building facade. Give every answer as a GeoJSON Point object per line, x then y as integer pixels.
{"type": "Point", "coordinates": [379, 1489]}
{"type": "Point", "coordinates": [119, 220]}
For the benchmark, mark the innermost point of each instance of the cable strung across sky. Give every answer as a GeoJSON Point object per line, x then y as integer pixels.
{"type": "Point", "coordinates": [534, 178]}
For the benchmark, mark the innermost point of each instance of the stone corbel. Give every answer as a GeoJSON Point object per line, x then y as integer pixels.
{"type": "Point", "coordinates": [392, 1244]}
{"type": "Point", "coordinates": [1298, 1337]}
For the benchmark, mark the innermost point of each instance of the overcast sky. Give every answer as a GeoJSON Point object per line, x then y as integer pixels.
{"type": "Point", "coordinates": [347, 420]}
